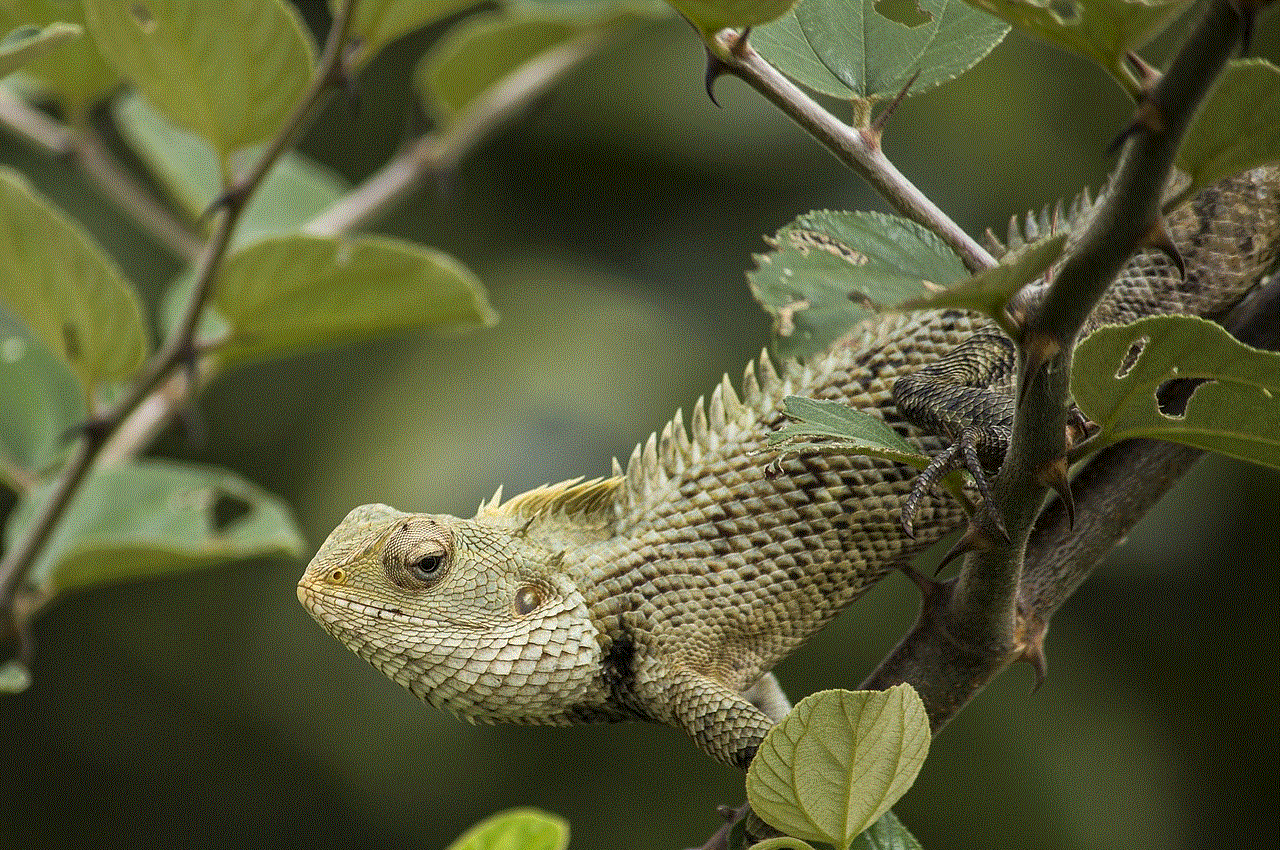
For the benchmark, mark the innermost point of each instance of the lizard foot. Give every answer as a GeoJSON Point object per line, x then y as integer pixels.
{"type": "Point", "coordinates": [964, 453]}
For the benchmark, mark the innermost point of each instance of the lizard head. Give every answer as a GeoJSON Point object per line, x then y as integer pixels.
{"type": "Point", "coordinates": [467, 614]}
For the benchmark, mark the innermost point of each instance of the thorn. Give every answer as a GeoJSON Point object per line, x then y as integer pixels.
{"type": "Point", "coordinates": [716, 68]}
{"type": "Point", "coordinates": [1115, 144]}
{"type": "Point", "coordinates": [1149, 75]}
{"type": "Point", "coordinates": [1041, 348]}
{"type": "Point", "coordinates": [877, 126]}
{"type": "Point", "coordinates": [1055, 478]}
{"type": "Point", "coordinates": [1158, 238]}
{"type": "Point", "coordinates": [1147, 116]}
{"type": "Point", "coordinates": [739, 47]}
{"type": "Point", "coordinates": [963, 545]}
{"type": "Point", "coordinates": [1033, 649]}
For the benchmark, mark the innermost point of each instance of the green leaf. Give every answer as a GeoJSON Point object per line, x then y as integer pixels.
{"type": "Point", "coordinates": [782, 842]}
{"type": "Point", "coordinates": [298, 293]}
{"type": "Point", "coordinates": [296, 190]}
{"type": "Point", "coordinates": [377, 23]}
{"type": "Point", "coordinates": [230, 71]}
{"type": "Point", "coordinates": [76, 75]}
{"type": "Point", "coordinates": [830, 270]}
{"type": "Point", "coordinates": [58, 282]}
{"type": "Point", "coordinates": [14, 678]}
{"type": "Point", "coordinates": [1237, 128]}
{"type": "Point", "coordinates": [1101, 30]}
{"type": "Point", "coordinates": [589, 11]}
{"type": "Point", "coordinates": [479, 53]}
{"type": "Point", "coordinates": [516, 829]}
{"type": "Point", "coordinates": [1234, 413]}
{"type": "Point", "coordinates": [847, 48]}
{"type": "Point", "coordinates": [40, 402]}
{"type": "Point", "coordinates": [887, 833]}
{"type": "Point", "coordinates": [711, 16]}
{"type": "Point", "coordinates": [28, 42]}
{"type": "Point", "coordinates": [838, 761]}
{"type": "Point", "coordinates": [848, 430]}
{"type": "Point", "coordinates": [151, 518]}
{"type": "Point", "coordinates": [989, 291]}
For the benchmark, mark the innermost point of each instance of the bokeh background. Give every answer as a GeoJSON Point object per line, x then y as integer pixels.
{"type": "Point", "coordinates": [612, 224]}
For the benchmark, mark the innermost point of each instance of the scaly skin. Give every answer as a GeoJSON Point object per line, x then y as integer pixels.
{"type": "Point", "coordinates": [666, 592]}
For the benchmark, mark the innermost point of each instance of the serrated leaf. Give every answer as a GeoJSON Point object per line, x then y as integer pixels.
{"type": "Point", "coordinates": [150, 518]}
{"type": "Point", "coordinates": [1236, 412]}
{"type": "Point", "coordinates": [854, 431]}
{"type": "Point", "coordinates": [76, 75]}
{"type": "Point", "coordinates": [711, 16]}
{"type": "Point", "coordinates": [516, 829]}
{"type": "Point", "coordinates": [1237, 128]}
{"type": "Point", "coordinates": [297, 293]}
{"type": "Point", "coordinates": [1101, 30]}
{"type": "Point", "coordinates": [887, 833]}
{"type": "Point", "coordinates": [478, 53]}
{"type": "Point", "coordinates": [295, 190]}
{"type": "Point", "coordinates": [29, 42]}
{"type": "Point", "coordinates": [830, 270]}
{"type": "Point", "coordinates": [987, 292]}
{"type": "Point", "coordinates": [230, 72]}
{"type": "Point", "coordinates": [40, 402]}
{"type": "Point", "coordinates": [838, 761]}
{"type": "Point", "coordinates": [61, 285]}
{"type": "Point", "coordinates": [377, 23]}
{"type": "Point", "coordinates": [847, 48]}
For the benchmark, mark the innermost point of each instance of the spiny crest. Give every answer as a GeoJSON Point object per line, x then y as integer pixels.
{"type": "Point", "coordinates": [670, 452]}
{"type": "Point", "coordinates": [1055, 218]}
{"type": "Point", "coordinates": [574, 498]}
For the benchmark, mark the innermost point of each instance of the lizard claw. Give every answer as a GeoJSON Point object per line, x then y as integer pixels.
{"type": "Point", "coordinates": [962, 454]}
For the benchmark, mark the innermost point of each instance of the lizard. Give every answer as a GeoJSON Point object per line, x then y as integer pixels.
{"type": "Point", "coordinates": [668, 590]}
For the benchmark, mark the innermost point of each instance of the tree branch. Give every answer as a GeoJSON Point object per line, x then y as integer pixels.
{"type": "Point", "coordinates": [176, 351]}
{"type": "Point", "coordinates": [857, 148]}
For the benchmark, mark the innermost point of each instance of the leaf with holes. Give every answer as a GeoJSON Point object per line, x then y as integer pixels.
{"type": "Point", "coordinates": [851, 48]}
{"type": "Point", "coordinates": [65, 289]}
{"type": "Point", "coordinates": [75, 75]}
{"type": "Point", "coordinates": [1101, 30]}
{"type": "Point", "coordinates": [1235, 411]}
{"type": "Point", "coordinates": [517, 829]}
{"type": "Point", "coordinates": [29, 42]}
{"type": "Point", "coordinates": [830, 270]}
{"type": "Point", "coordinates": [1237, 128]}
{"type": "Point", "coordinates": [150, 518]}
{"type": "Point", "coordinates": [230, 72]}
{"type": "Point", "coordinates": [287, 294]}
{"type": "Point", "coordinates": [838, 761]}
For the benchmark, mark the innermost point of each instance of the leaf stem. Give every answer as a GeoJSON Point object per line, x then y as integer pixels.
{"type": "Point", "coordinates": [858, 149]}
{"type": "Point", "coordinates": [177, 348]}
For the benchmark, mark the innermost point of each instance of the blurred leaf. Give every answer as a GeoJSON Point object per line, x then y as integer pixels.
{"type": "Point", "coordinates": [988, 291]}
{"type": "Point", "coordinates": [14, 678]}
{"type": "Point", "coordinates": [589, 11]}
{"type": "Point", "coordinates": [295, 191]}
{"type": "Point", "coordinates": [40, 401]}
{"type": "Point", "coordinates": [60, 284]}
{"type": "Point", "coordinates": [76, 76]}
{"type": "Point", "coordinates": [711, 16]}
{"type": "Point", "coordinates": [830, 270]}
{"type": "Point", "coordinates": [151, 518]}
{"type": "Point", "coordinates": [848, 48]}
{"type": "Point", "coordinates": [1101, 30]}
{"type": "Point", "coordinates": [29, 42]}
{"type": "Point", "coordinates": [1235, 412]}
{"type": "Point", "coordinates": [850, 431]}
{"type": "Point", "coordinates": [377, 23]}
{"type": "Point", "coordinates": [517, 829]}
{"type": "Point", "coordinates": [229, 71]}
{"type": "Point", "coordinates": [781, 842]}
{"type": "Point", "coordinates": [838, 761]}
{"type": "Point", "coordinates": [1237, 128]}
{"type": "Point", "coordinates": [887, 833]}
{"type": "Point", "coordinates": [297, 293]}
{"type": "Point", "coordinates": [479, 53]}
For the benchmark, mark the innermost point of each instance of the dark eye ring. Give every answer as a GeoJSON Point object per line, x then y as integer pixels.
{"type": "Point", "coordinates": [426, 567]}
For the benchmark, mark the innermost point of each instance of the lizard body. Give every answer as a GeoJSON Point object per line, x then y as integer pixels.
{"type": "Point", "coordinates": [668, 591]}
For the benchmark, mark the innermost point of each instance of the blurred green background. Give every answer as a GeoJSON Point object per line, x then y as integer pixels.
{"type": "Point", "coordinates": [612, 224]}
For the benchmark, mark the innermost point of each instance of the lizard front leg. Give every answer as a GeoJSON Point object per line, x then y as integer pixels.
{"type": "Point", "coordinates": [722, 722]}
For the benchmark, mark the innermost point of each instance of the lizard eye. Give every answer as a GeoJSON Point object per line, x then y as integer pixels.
{"type": "Point", "coordinates": [425, 568]}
